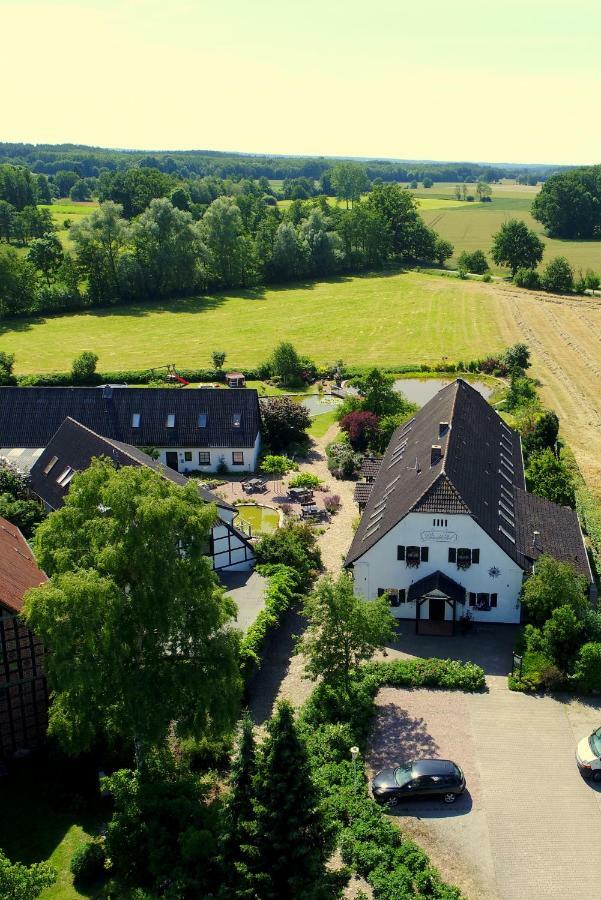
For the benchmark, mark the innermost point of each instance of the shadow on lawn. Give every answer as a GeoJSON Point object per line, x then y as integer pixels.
{"type": "Point", "coordinates": [197, 303]}
{"type": "Point", "coordinates": [45, 800]}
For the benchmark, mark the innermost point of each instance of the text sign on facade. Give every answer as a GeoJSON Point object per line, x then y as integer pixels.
{"type": "Point", "coordinates": [435, 535]}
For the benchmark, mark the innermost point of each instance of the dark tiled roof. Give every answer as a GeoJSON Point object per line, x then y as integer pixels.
{"type": "Point", "coordinates": [370, 466]}
{"type": "Point", "coordinates": [559, 533]}
{"type": "Point", "coordinates": [479, 463]}
{"type": "Point", "coordinates": [30, 416]}
{"type": "Point", "coordinates": [437, 584]}
{"type": "Point", "coordinates": [18, 569]}
{"type": "Point", "coordinates": [362, 491]}
{"type": "Point", "coordinates": [75, 445]}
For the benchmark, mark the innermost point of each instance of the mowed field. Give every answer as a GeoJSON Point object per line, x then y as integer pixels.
{"type": "Point", "coordinates": [387, 319]}
{"type": "Point", "coordinates": [470, 226]}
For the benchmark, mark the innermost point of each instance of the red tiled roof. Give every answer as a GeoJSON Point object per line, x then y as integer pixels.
{"type": "Point", "coordinates": [18, 569]}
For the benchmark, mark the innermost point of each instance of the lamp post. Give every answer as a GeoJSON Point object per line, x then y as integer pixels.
{"type": "Point", "coordinates": [354, 755]}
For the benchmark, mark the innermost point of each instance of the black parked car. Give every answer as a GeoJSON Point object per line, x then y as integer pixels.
{"type": "Point", "coordinates": [419, 779]}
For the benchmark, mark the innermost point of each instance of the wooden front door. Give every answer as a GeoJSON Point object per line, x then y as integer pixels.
{"type": "Point", "coordinates": [171, 458]}
{"type": "Point", "coordinates": [436, 611]}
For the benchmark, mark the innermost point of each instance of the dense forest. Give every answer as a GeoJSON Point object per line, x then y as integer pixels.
{"type": "Point", "coordinates": [90, 162]}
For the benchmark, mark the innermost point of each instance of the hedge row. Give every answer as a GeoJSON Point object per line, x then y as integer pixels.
{"type": "Point", "coordinates": [280, 593]}
{"type": "Point", "coordinates": [147, 376]}
{"type": "Point", "coordinates": [370, 844]}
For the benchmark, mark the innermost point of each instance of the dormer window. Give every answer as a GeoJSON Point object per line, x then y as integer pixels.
{"type": "Point", "coordinates": [50, 465]}
{"type": "Point", "coordinates": [135, 420]}
{"type": "Point", "coordinates": [171, 420]}
{"type": "Point", "coordinates": [237, 418]}
{"type": "Point", "coordinates": [202, 420]}
{"type": "Point", "coordinates": [65, 477]}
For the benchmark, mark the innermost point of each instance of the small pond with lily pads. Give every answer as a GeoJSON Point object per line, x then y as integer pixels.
{"type": "Point", "coordinates": [260, 519]}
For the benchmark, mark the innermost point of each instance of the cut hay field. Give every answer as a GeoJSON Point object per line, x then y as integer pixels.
{"type": "Point", "coordinates": [390, 319]}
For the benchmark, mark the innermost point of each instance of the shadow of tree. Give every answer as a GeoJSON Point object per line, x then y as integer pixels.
{"type": "Point", "coordinates": [398, 737]}
{"type": "Point", "coordinates": [264, 686]}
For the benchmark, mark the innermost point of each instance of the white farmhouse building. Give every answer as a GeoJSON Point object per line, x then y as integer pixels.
{"type": "Point", "coordinates": [192, 430]}
{"type": "Point", "coordinates": [448, 527]}
{"type": "Point", "coordinates": [72, 450]}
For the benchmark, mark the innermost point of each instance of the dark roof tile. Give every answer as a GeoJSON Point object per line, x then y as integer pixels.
{"type": "Point", "coordinates": [75, 446]}
{"type": "Point", "coordinates": [30, 416]}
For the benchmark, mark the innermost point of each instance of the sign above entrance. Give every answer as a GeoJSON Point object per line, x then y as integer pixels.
{"type": "Point", "coordinates": [438, 535]}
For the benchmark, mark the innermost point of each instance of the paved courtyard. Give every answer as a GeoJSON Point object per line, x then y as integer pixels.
{"type": "Point", "coordinates": [529, 826]}
{"type": "Point", "coordinates": [248, 590]}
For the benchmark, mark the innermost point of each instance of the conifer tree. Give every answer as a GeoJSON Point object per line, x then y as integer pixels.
{"type": "Point", "coordinates": [240, 852]}
{"type": "Point", "coordinates": [292, 840]}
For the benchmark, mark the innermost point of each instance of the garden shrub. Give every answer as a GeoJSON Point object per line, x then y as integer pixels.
{"type": "Point", "coordinates": [332, 503]}
{"type": "Point", "coordinates": [280, 593]}
{"type": "Point", "coordinates": [293, 545]}
{"type": "Point", "coordinates": [88, 863]}
{"type": "Point", "coordinates": [587, 669]}
{"type": "Point", "coordinates": [202, 754]}
{"type": "Point", "coordinates": [304, 480]}
{"type": "Point", "coordinates": [527, 278]}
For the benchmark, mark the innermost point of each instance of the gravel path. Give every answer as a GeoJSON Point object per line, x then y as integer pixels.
{"type": "Point", "coordinates": [281, 675]}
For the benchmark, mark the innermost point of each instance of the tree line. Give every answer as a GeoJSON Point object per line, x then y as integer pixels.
{"type": "Point", "coordinates": [48, 159]}
{"type": "Point", "coordinates": [239, 241]}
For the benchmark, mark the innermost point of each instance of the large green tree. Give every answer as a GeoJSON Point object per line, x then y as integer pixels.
{"type": "Point", "coordinates": [135, 623]}
{"type": "Point", "coordinates": [569, 203]}
{"type": "Point", "coordinates": [169, 250]}
{"type": "Point", "coordinates": [292, 841]}
{"type": "Point", "coordinates": [349, 181]}
{"type": "Point", "coordinates": [551, 585]}
{"type": "Point", "coordinates": [230, 252]}
{"type": "Point", "coordinates": [548, 476]}
{"type": "Point", "coordinates": [99, 241]}
{"type": "Point", "coordinates": [343, 631]}
{"type": "Point", "coordinates": [19, 882]}
{"type": "Point", "coordinates": [240, 834]}
{"type": "Point", "coordinates": [516, 246]}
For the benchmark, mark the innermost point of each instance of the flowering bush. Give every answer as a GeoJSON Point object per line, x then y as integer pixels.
{"type": "Point", "coordinates": [332, 503]}
{"type": "Point", "coordinates": [361, 427]}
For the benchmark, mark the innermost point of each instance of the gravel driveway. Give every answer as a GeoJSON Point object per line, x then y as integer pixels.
{"type": "Point", "coordinates": [529, 827]}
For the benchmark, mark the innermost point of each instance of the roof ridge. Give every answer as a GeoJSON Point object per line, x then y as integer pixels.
{"type": "Point", "coordinates": [451, 429]}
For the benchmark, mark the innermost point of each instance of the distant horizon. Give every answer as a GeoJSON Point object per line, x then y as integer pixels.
{"type": "Point", "coordinates": [406, 160]}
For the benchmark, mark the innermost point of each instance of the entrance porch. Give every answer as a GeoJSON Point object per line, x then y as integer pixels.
{"type": "Point", "coordinates": [432, 596]}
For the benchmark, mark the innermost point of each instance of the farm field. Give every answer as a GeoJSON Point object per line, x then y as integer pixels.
{"type": "Point", "coordinates": [388, 319]}
{"type": "Point", "coordinates": [424, 202]}
{"type": "Point", "coordinates": [470, 226]}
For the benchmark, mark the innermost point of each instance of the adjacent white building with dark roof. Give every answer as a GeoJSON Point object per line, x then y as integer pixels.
{"type": "Point", "coordinates": [193, 430]}
{"type": "Point", "coordinates": [72, 450]}
{"type": "Point", "coordinates": [448, 526]}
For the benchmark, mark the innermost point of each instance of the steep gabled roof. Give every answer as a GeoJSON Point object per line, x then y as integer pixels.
{"type": "Point", "coordinates": [75, 446]}
{"type": "Point", "coordinates": [18, 569]}
{"type": "Point", "coordinates": [557, 534]}
{"type": "Point", "coordinates": [456, 455]}
{"type": "Point", "coordinates": [29, 416]}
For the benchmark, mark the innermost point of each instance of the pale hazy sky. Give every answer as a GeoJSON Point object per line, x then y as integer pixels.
{"type": "Point", "coordinates": [517, 80]}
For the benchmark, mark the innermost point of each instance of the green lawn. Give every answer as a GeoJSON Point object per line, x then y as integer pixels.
{"type": "Point", "coordinates": [321, 423]}
{"type": "Point", "coordinates": [41, 822]}
{"type": "Point", "coordinates": [388, 319]}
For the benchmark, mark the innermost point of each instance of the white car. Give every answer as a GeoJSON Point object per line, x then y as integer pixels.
{"type": "Point", "coordinates": [588, 756]}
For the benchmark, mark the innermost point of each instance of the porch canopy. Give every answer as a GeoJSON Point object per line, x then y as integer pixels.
{"type": "Point", "coordinates": [438, 587]}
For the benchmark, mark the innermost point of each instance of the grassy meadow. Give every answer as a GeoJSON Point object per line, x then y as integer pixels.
{"type": "Point", "coordinates": [470, 226]}
{"type": "Point", "coordinates": [68, 209]}
{"type": "Point", "coordinates": [387, 319]}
